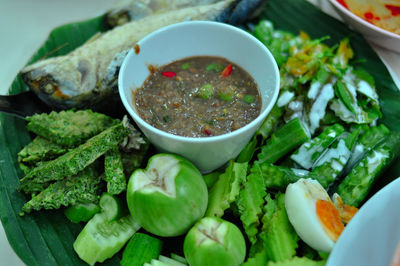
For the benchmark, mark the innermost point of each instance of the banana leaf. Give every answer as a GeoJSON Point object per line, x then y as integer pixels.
{"type": "Point", "coordinates": [46, 238]}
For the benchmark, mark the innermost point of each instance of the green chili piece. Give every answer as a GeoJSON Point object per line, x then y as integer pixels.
{"type": "Point", "coordinates": [248, 98]}
{"type": "Point", "coordinates": [227, 97]}
{"type": "Point", "coordinates": [214, 67]}
{"type": "Point", "coordinates": [185, 66]}
{"type": "Point", "coordinates": [207, 91]}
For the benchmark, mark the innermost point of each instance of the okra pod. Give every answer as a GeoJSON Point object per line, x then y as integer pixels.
{"type": "Point", "coordinates": [355, 186]}
{"type": "Point", "coordinates": [331, 164]}
{"type": "Point", "coordinates": [371, 137]}
{"type": "Point", "coordinates": [277, 177]}
{"type": "Point", "coordinates": [282, 141]}
{"type": "Point", "coordinates": [310, 151]}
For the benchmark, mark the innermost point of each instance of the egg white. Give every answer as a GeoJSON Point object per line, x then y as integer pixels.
{"type": "Point", "coordinates": [300, 203]}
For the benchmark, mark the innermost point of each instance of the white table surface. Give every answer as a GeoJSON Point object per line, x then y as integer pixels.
{"type": "Point", "coordinates": [25, 24]}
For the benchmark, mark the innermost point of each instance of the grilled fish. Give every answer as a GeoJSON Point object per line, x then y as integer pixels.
{"type": "Point", "coordinates": [129, 10]}
{"type": "Point", "coordinates": [88, 75]}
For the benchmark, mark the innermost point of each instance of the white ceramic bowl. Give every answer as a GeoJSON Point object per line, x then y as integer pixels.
{"type": "Point", "coordinates": [372, 236]}
{"type": "Point", "coordinates": [376, 35]}
{"type": "Point", "coordinates": [201, 38]}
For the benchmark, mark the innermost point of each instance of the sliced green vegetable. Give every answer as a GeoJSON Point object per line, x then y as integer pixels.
{"type": "Point", "coordinates": [356, 185]}
{"type": "Point", "coordinates": [226, 189]}
{"type": "Point", "coordinates": [69, 128]}
{"type": "Point", "coordinates": [310, 151]}
{"type": "Point", "coordinates": [331, 164]}
{"type": "Point", "coordinates": [114, 173]}
{"type": "Point", "coordinates": [211, 179]}
{"type": "Point", "coordinates": [111, 207]}
{"type": "Point", "coordinates": [141, 249]}
{"type": "Point", "coordinates": [278, 235]}
{"type": "Point", "coordinates": [40, 149]}
{"type": "Point", "coordinates": [303, 261]}
{"type": "Point", "coordinates": [170, 261]}
{"type": "Point", "coordinates": [284, 140]}
{"type": "Point", "coordinates": [178, 258]}
{"type": "Point", "coordinates": [371, 137]}
{"type": "Point", "coordinates": [77, 159]}
{"type": "Point", "coordinates": [259, 259]}
{"type": "Point", "coordinates": [277, 177]}
{"type": "Point", "coordinates": [81, 212]}
{"type": "Point", "coordinates": [269, 124]}
{"type": "Point", "coordinates": [82, 188]}
{"type": "Point", "coordinates": [101, 239]}
{"type": "Point", "coordinates": [343, 93]}
{"type": "Point", "coordinates": [251, 201]}
{"type": "Point", "coordinates": [248, 151]}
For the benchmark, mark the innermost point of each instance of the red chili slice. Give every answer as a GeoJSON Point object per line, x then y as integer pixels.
{"type": "Point", "coordinates": [168, 74]}
{"type": "Point", "coordinates": [394, 9]}
{"type": "Point", "coordinates": [227, 71]}
{"type": "Point", "coordinates": [207, 132]}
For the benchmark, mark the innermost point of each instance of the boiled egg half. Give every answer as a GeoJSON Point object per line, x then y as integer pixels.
{"type": "Point", "coordinates": [313, 214]}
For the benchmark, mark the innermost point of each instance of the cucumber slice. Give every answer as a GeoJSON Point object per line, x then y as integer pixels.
{"type": "Point", "coordinates": [178, 258]}
{"type": "Point", "coordinates": [81, 212]}
{"type": "Point", "coordinates": [101, 239]}
{"type": "Point", "coordinates": [141, 249]}
{"type": "Point", "coordinates": [159, 263]}
{"type": "Point", "coordinates": [111, 207]}
{"type": "Point", "coordinates": [170, 261]}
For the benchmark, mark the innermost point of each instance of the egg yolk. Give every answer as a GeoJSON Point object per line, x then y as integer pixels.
{"type": "Point", "coordinates": [330, 219]}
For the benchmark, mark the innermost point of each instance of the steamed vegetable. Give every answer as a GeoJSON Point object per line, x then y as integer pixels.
{"type": "Point", "coordinates": [81, 188]}
{"type": "Point", "coordinates": [167, 197]}
{"type": "Point", "coordinates": [76, 159]}
{"type": "Point", "coordinates": [40, 149]}
{"type": "Point", "coordinates": [213, 241]}
{"type": "Point", "coordinates": [356, 185]}
{"type": "Point", "coordinates": [69, 128]}
{"type": "Point", "coordinates": [309, 152]}
{"type": "Point", "coordinates": [114, 172]}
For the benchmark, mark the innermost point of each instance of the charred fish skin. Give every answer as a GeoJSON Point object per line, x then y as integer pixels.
{"type": "Point", "coordinates": [130, 10]}
{"type": "Point", "coordinates": [88, 75]}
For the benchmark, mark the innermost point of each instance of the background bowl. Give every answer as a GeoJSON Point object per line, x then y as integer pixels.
{"type": "Point", "coordinates": [201, 38]}
{"type": "Point", "coordinates": [378, 36]}
{"type": "Point", "coordinates": [373, 234]}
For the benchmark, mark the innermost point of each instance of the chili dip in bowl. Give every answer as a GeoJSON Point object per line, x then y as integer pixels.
{"type": "Point", "coordinates": [173, 59]}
